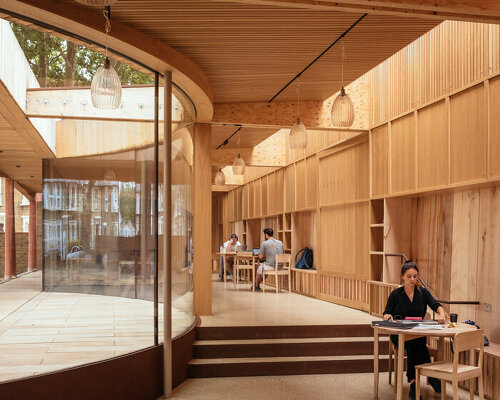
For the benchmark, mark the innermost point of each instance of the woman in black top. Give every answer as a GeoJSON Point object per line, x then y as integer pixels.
{"type": "Point", "coordinates": [410, 300]}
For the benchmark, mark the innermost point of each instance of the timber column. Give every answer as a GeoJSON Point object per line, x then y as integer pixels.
{"type": "Point", "coordinates": [10, 231]}
{"type": "Point", "coordinates": [32, 236]}
{"type": "Point", "coordinates": [202, 220]}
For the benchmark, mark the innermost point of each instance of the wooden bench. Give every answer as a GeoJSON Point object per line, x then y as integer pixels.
{"type": "Point", "coordinates": [304, 281]}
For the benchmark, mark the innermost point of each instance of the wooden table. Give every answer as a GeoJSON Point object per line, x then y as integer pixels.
{"type": "Point", "coordinates": [222, 257]}
{"type": "Point", "coordinates": [408, 334]}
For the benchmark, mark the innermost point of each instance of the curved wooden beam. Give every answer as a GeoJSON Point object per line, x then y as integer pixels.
{"type": "Point", "coordinates": [137, 45]}
{"type": "Point", "coordinates": [484, 11]}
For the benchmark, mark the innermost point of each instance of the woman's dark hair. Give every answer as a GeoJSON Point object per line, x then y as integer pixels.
{"type": "Point", "coordinates": [269, 232]}
{"type": "Point", "coordinates": [408, 265]}
{"type": "Point", "coordinates": [233, 236]}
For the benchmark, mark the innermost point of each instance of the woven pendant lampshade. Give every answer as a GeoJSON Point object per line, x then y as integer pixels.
{"type": "Point", "coordinates": [343, 110]}
{"type": "Point", "coordinates": [106, 88]}
{"type": "Point", "coordinates": [101, 3]}
{"type": "Point", "coordinates": [238, 166]}
{"type": "Point", "coordinates": [298, 136]}
{"type": "Point", "coordinates": [220, 178]}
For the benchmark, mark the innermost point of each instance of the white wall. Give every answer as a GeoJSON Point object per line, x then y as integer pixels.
{"type": "Point", "coordinates": [17, 75]}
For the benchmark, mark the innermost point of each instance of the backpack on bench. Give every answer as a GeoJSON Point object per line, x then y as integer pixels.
{"type": "Point", "coordinates": [306, 260]}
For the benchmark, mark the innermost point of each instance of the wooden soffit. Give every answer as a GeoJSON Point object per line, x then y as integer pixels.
{"type": "Point", "coordinates": [88, 23]}
{"type": "Point", "coordinates": [250, 51]}
{"type": "Point", "coordinates": [21, 146]}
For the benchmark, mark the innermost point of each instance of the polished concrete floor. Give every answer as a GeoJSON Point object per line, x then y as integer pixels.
{"type": "Point", "coordinates": [243, 307]}
{"type": "Point", "coordinates": [46, 331]}
{"type": "Point", "coordinates": [296, 387]}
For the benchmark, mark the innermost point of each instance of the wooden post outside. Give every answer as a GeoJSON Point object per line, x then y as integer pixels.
{"type": "Point", "coordinates": [202, 220]}
{"type": "Point", "coordinates": [10, 231]}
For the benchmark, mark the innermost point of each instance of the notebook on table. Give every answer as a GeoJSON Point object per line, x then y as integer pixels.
{"type": "Point", "coordinates": [255, 251]}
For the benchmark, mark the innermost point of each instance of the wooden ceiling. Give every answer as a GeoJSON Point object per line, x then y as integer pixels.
{"type": "Point", "coordinates": [21, 146]}
{"type": "Point", "coordinates": [247, 136]}
{"type": "Point", "coordinates": [249, 52]}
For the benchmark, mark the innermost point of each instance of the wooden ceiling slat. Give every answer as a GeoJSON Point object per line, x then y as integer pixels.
{"type": "Point", "coordinates": [249, 52]}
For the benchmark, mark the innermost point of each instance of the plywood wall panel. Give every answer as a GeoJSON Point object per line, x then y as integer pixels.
{"type": "Point", "coordinates": [451, 56]}
{"type": "Point", "coordinates": [403, 154]}
{"type": "Point", "coordinates": [251, 199]}
{"type": "Point", "coordinates": [431, 240]}
{"type": "Point", "coordinates": [312, 181]}
{"type": "Point", "coordinates": [488, 280]}
{"type": "Point", "coordinates": [344, 240]}
{"type": "Point", "coordinates": [495, 127]}
{"type": "Point", "coordinates": [468, 135]}
{"type": "Point", "coordinates": [279, 191]}
{"type": "Point", "coordinates": [380, 161]}
{"type": "Point", "coordinates": [263, 195]}
{"type": "Point", "coordinates": [433, 146]}
{"type": "Point", "coordinates": [463, 282]}
{"type": "Point", "coordinates": [257, 202]}
{"type": "Point", "coordinates": [290, 188]}
{"type": "Point", "coordinates": [344, 175]}
{"type": "Point", "coordinates": [300, 175]}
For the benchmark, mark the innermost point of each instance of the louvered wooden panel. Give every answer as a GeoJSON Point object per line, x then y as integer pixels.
{"type": "Point", "coordinates": [249, 52]}
{"type": "Point", "coordinates": [451, 56]}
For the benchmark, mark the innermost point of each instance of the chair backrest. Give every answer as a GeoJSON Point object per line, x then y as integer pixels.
{"type": "Point", "coordinates": [244, 253]}
{"type": "Point", "coordinates": [284, 258]}
{"type": "Point", "coordinates": [471, 340]}
{"type": "Point", "coordinates": [468, 340]}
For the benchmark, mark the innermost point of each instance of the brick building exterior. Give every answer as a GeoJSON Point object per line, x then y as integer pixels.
{"type": "Point", "coordinates": [22, 210]}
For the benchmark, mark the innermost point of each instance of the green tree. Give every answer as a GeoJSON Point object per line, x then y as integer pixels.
{"type": "Point", "coordinates": [127, 203]}
{"type": "Point", "coordinates": [59, 62]}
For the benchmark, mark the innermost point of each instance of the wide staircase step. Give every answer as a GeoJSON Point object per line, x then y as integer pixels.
{"type": "Point", "coordinates": [284, 350]}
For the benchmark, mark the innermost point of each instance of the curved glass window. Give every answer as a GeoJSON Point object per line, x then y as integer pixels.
{"type": "Point", "coordinates": [104, 214]}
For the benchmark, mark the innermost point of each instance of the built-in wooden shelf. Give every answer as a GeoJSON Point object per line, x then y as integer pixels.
{"type": "Point", "coordinates": [377, 253]}
{"type": "Point", "coordinates": [377, 225]}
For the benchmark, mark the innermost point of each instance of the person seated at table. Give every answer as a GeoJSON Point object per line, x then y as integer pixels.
{"type": "Point", "coordinates": [268, 250]}
{"type": "Point", "coordinates": [410, 300]}
{"type": "Point", "coordinates": [229, 247]}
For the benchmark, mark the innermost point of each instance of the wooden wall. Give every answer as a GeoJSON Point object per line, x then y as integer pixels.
{"type": "Point", "coordinates": [450, 143]}
{"type": "Point", "coordinates": [453, 237]}
{"type": "Point", "coordinates": [445, 60]}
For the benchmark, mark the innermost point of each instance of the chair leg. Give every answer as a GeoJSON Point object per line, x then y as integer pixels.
{"type": "Point", "coordinates": [480, 387]}
{"type": "Point", "coordinates": [443, 389]}
{"type": "Point", "coordinates": [417, 383]}
{"type": "Point", "coordinates": [472, 388]}
{"type": "Point", "coordinates": [277, 280]}
{"type": "Point", "coordinates": [263, 281]}
{"type": "Point", "coordinates": [455, 389]}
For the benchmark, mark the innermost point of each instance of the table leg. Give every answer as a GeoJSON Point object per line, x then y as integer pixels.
{"type": "Point", "coordinates": [375, 362]}
{"type": "Point", "coordinates": [401, 352]}
{"type": "Point", "coordinates": [224, 267]}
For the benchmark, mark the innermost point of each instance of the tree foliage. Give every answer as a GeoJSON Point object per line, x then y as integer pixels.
{"type": "Point", "coordinates": [127, 204]}
{"type": "Point", "coordinates": [58, 62]}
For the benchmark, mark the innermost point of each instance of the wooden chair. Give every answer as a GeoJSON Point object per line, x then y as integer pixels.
{"type": "Point", "coordinates": [455, 372]}
{"type": "Point", "coordinates": [286, 260]}
{"type": "Point", "coordinates": [243, 262]}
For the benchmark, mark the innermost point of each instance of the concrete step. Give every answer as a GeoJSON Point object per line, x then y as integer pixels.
{"type": "Point", "coordinates": [286, 347]}
{"type": "Point", "coordinates": [268, 366]}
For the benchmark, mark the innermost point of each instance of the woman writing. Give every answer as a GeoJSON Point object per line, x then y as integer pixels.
{"type": "Point", "coordinates": [410, 300]}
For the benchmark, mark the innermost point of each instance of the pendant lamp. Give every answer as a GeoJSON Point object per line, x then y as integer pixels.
{"type": "Point", "coordinates": [106, 88]}
{"type": "Point", "coordinates": [297, 138]}
{"type": "Point", "coordinates": [238, 166]}
{"type": "Point", "coordinates": [343, 108]}
{"type": "Point", "coordinates": [220, 178]}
